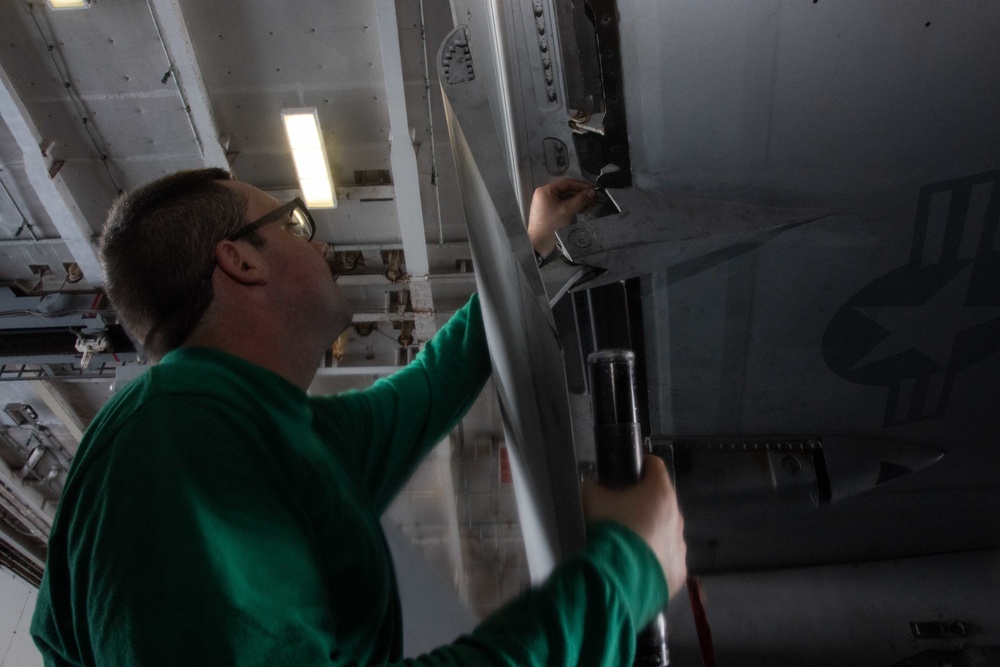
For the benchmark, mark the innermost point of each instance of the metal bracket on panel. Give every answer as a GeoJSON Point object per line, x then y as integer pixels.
{"type": "Point", "coordinates": [559, 277]}
{"type": "Point", "coordinates": [791, 467]}
{"type": "Point", "coordinates": [653, 231]}
{"type": "Point", "coordinates": [88, 345]}
{"type": "Point", "coordinates": [582, 122]}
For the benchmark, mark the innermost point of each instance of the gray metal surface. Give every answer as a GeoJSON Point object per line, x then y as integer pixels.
{"type": "Point", "coordinates": [879, 321]}
{"type": "Point", "coordinates": [527, 361]}
{"type": "Point", "coordinates": [652, 231]}
{"type": "Point", "coordinates": [857, 614]}
{"type": "Point", "coordinates": [838, 104]}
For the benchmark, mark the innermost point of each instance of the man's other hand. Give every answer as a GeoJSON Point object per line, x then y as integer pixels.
{"type": "Point", "coordinates": [553, 207]}
{"type": "Point", "coordinates": [650, 509]}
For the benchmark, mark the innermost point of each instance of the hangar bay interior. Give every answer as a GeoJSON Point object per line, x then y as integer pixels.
{"type": "Point", "coordinates": [796, 234]}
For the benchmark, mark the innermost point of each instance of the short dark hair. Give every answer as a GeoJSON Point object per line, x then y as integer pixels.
{"type": "Point", "coordinates": [158, 242]}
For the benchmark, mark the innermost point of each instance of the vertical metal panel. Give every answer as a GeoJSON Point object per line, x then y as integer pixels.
{"type": "Point", "coordinates": [527, 360]}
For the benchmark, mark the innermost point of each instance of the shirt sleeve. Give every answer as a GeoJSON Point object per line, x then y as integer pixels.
{"type": "Point", "coordinates": [587, 613]}
{"type": "Point", "coordinates": [201, 554]}
{"type": "Point", "coordinates": [390, 427]}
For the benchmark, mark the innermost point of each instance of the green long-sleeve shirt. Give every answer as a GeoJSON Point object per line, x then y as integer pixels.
{"type": "Point", "coordinates": [215, 514]}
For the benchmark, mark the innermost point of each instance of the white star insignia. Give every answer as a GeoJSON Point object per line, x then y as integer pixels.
{"type": "Point", "coordinates": [930, 328]}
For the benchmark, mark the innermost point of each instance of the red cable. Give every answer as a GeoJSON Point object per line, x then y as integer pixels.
{"type": "Point", "coordinates": [701, 621]}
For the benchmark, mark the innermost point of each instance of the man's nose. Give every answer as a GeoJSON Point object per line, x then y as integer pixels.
{"type": "Point", "coordinates": [322, 248]}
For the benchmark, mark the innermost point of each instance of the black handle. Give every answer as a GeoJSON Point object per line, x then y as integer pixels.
{"type": "Point", "coordinates": [618, 443]}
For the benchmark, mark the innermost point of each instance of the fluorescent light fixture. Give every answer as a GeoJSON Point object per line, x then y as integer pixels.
{"type": "Point", "coordinates": [69, 4]}
{"type": "Point", "coordinates": [306, 142]}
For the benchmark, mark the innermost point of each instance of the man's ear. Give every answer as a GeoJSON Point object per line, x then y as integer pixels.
{"type": "Point", "coordinates": [241, 262]}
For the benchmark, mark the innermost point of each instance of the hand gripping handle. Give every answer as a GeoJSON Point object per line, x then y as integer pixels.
{"type": "Point", "coordinates": [618, 443]}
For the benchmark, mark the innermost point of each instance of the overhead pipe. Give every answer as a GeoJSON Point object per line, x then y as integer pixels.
{"type": "Point", "coordinates": [430, 124]}
{"type": "Point", "coordinates": [24, 219]}
{"type": "Point", "coordinates": [34, 241]}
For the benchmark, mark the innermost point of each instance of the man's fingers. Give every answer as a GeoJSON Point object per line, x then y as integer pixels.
{"type": "Point", "coordinates": [654, 465]}
{"type": "Point", "coordinates": [580, 201]}
{"type": "Point", "coordinates": [650, 510]}
{"type": "Point", "coordinates": [553, 207]}
{"type": "Point", "coordinates": [567, 187]}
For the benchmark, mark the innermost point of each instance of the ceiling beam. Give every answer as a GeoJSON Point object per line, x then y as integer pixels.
{"type": "Point", "coordinates": [66, 415]}
{"type": "Point", "coordinates": [367, 279]}
{"type": "Point", "coordinates": [365, 317]}
{"type": "Point", "coordinates": [176, 41]}
{"type": "Point", "coordinates": [16, 541]}
{"type": "Point", "coordinates": [51, 191]}
{"type": "Point", "coordinates": [24, 503]}
{"type": "Point", "coordinates": [350, 193]}
{"type": "Point", "coordinates": [406, 179]}
{"type": "Point", "coordinates": [13, 243]}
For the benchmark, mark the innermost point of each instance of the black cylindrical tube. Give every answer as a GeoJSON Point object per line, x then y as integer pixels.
{"type": "Point", "coordinates": [618, 445]}
{"type": "Point", "coordinates": [617, 436]}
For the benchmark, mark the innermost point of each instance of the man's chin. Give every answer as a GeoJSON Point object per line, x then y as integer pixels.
{"type": "Point", "coordinates": [342, 321]}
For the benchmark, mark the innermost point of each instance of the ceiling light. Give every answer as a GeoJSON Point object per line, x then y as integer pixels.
{"type": "Point", "coordinates": [69, 4]}
{"type": "Point", "coordinates": [306, 141]}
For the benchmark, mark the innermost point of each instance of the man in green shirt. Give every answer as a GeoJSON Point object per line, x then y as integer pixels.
{"type": "Point", "coordinates": [216, 514]}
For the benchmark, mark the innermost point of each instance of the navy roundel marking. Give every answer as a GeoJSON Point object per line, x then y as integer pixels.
{"type": "Point", "coordinates": [914, 328]}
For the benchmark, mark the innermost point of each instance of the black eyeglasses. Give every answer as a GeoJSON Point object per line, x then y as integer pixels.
{"type": "Point", "coordinates": [294, 213]}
